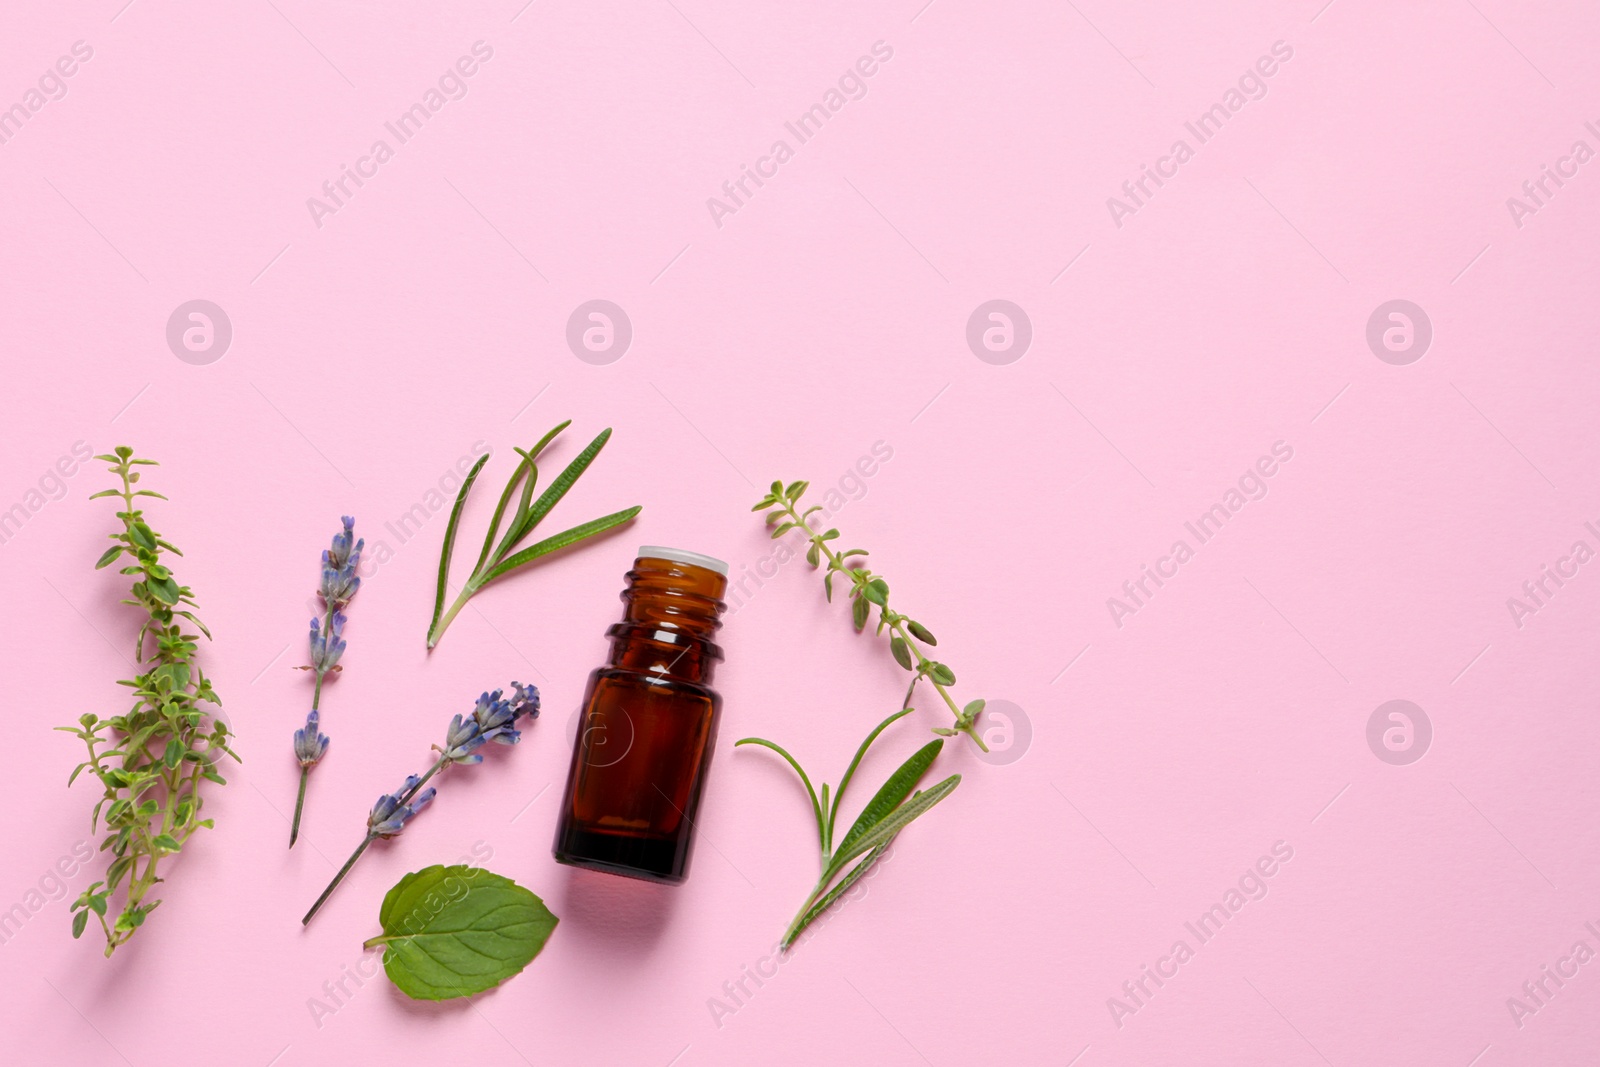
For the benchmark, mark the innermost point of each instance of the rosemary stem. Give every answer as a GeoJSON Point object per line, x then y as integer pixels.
{"type": "Point", "coordinates": [438, 628]}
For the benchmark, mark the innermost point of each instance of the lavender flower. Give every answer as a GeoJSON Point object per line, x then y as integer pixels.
{"type": "Point", "coordinates": [338, 587]}
{"type": "Point", "coordinates": [341, 553]}
{"type": "Point", "coordinates": [494, 718]}
{"type": "Point", "coordinates": [309, 745]}
{"type": "Point", "coordinates": [327, 648]}
{"type": "Point", "coordinates": [391, 812]}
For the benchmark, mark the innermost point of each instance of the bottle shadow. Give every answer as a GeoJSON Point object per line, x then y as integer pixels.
{"type": "Point", "coordinates": [621, 917]}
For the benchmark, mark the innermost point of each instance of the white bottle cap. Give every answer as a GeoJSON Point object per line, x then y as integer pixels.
{"type": "Point", "coordinates": [678, 555]}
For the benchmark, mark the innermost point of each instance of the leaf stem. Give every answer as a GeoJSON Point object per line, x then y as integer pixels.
{"type": "Point", "coordinates": [798, 925]}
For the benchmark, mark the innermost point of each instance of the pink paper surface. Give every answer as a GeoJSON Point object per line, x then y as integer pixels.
{"type": "Point", "coordinates": [1166, 744]}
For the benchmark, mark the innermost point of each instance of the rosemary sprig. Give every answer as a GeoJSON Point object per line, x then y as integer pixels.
{"type": "Point", "coordinates": [150, 760]}
{"type": "Point", "coordinates": [496, 561]}
{"type": "Point", "coordinates": [890, 810]}
{"type": "Point", "coordinates": [907, 636]}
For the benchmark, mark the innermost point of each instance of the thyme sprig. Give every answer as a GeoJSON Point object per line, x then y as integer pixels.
{"type": "Point", "coordinates": [150, 761]}
{"type": "Point", "coordinates": [907, 636]}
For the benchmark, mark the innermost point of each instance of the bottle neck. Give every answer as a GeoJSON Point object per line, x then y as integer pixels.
{"type": "Point", "coordinates": [671, 611]}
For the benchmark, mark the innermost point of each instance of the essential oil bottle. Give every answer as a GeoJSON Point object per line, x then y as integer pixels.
{"type": "Point", "coordinates": [648, 724]}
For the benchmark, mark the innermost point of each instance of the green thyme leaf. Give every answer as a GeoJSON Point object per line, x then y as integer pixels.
{"type": "Point", "coordinates": [920, 632]}
{"type": "Point", "coordinates": [858, 612]}
{"type": "Point", "coordinates": [453, 931]}
{"type": "Point", "coordinates": [146, 758]}
{"type": "Point", "coordinates": [902, 652]}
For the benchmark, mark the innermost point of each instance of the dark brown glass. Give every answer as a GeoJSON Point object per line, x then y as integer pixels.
{"type": "Point", "coordinates": [647, 729]}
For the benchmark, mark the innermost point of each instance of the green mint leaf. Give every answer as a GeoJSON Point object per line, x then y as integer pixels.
{"type": "Point", "coordinates": [453, 931]}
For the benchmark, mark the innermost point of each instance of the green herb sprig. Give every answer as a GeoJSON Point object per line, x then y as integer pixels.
{"type": "Point", "coordinates": [907, 636]}
{"type": "Point", "coordinates": [889, 811]}
{"type": "Point", "coordinates": [150, 760]}
{"type": "Point", "coordinates": [496, 561]}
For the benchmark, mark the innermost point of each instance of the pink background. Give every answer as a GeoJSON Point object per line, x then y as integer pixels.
{"type": "Point", "coordinates": [827, 314]}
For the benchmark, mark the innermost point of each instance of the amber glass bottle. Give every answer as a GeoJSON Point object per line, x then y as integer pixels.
{"type": "Point", "coordinates": [648, 724]}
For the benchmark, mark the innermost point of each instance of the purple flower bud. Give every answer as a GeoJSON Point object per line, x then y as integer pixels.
{"type": "Point", "coordinates": [327, 648]}
{"type": "Point", "coordinates": [309, 745]}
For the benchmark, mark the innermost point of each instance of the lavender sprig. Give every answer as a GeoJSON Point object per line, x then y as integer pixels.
{"type": "Point", "coordinates": [338, 587]}
{"type": "Point", "coordinates": [494, 719]}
